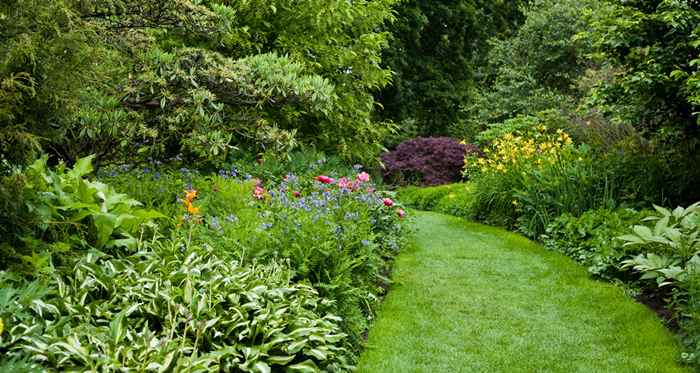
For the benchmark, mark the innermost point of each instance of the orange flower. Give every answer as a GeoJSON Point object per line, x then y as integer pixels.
{"type": "Point", "coordinates": [192, 210]}
{"type": "Point", "coordinates": [190, 195]}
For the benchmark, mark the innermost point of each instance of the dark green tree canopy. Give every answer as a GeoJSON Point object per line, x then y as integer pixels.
{"type": "Point", "coordinates": [437, 48]}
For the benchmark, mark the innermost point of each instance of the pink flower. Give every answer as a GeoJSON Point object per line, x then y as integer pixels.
{"type": "Point", "coordinates": [324, 179]}
{"type": "Point", "coordinates": [259, 193]}
{"type": "Point", "coordinates": [362, 177]}
{"type": "Point", "coordinates": [388, 202]}
{"type": "Point", "coordinates": [401, 213]}
{"type": "Point", "coordinates": [344, 183]}
{"type": "Point", "coordinates": [296, 194]}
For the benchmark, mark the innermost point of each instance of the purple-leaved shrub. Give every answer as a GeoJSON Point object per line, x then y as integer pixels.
{"type": "Point", "coordinates": [426, 161]}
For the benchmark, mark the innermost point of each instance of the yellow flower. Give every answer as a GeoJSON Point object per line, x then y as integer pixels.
{"type": "Point", "coordinates": [2, 326]}
{"type": "Point", "coordinates": [500, 167]}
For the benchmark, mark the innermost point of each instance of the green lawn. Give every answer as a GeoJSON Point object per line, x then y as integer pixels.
{"type": "Point", "coordinates": [471, 298]}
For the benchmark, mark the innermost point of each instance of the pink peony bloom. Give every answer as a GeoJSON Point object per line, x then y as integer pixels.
{"type": "Point", "coordinates": [388, 202]}
{"type": "Point", "coordinates": [362, 177]}
{"type": "Point", "coordinates": [401, 213]}
{"type": "Point", "coordinates": [324, 179]}
{"type": "Point", "coordinates": [259, 193]}
{"type": "Point", "coordinates": [344, 183]}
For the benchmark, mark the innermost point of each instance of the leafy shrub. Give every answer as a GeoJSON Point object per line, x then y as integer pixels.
{"type": "Point", "coordinates": [426, 161]}
{"type": "Point", "coordinates": [591, 239]}
{"type": "Point", "coordinates": [61, 211]}
{"type": "Point", "coordinates": [671, 247]}
{"type": "Point", "coordinates": [670, 258]}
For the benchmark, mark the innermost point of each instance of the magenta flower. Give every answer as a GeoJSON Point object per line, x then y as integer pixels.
{"type": "Point", "coordinates": [388, 202]}
{"type": "Point", "coordinates": [344, 183]}
{"type": "Point", "coordinates": [324, 179]}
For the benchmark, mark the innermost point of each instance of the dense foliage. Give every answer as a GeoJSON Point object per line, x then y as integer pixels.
{"type": "Point", "coordinates": [426, 161]}
{"type": "Point", "coordinates": [436, 52]}
{"type": "Point", "coordinates": [189, 77]}
{"type": "Point", "coordinates": [234, 274]}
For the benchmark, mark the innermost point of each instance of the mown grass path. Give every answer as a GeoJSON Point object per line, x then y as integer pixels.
{"type": "Point", "coordinates": [471, 298]}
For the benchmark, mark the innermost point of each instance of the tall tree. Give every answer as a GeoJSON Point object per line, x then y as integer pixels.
{"type": "Point", "coordinates": [437, 49]}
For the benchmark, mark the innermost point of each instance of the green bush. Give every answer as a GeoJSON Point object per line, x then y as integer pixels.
{"type": "Point", "coordinates": [669, 261]}
{"type": "Point", "coordinates": [56, 212]}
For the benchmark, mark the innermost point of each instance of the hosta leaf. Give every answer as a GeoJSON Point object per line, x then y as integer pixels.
{"type": "Point", "coordinates": [82, 167]}
{"type": "Point", "coordinates": [643, 231]}
{"type": "Point", "coordinates": [280, 360]}
{"type": "Point", "coordinates": [262, 367]}
{"type": "Point", "coordinates": [631, 239]}
{"type": "Point", "coordinates": [661, 225]}
{"type": "Point", "coordinates": [295, 347]}
{"type": "Point", "coordinates": [104, 225]}
{"type": "Point", "coordinates": [318, 354]}
{"type": "Point", "coordinates": [117, 328]}
{"type": "Point", "coordinates": [306, 366]}
{"type": "Point", "coordinates": [167, 362]}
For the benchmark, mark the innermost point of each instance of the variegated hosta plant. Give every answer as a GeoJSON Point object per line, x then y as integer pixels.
{"type": "Point", "coordinates": [167, 308]}
{"type": "Point", "coordinates": [670, 249]}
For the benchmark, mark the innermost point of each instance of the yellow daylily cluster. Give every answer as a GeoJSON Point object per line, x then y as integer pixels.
{"type": "Point", "coordinates": [511, 151]}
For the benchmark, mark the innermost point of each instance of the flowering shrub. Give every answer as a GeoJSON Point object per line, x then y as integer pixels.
{"type": "Point", "coordinates": [426, 161]}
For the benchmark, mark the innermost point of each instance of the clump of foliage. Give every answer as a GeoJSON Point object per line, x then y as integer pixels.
{"type": "Point", "coordinates": [426, 161]}
{"type": "Point", "coordinates": [670, 257]}
{"type": "Point", "coordinates": [164, 308]}
{"type": "Point", "coordinates": [56, 212]}
{"type": "Point", "coordinates": [591, 239]}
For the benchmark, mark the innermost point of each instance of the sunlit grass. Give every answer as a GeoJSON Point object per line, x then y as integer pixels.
{"type": "Point", "coordinates": [470, 298]}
